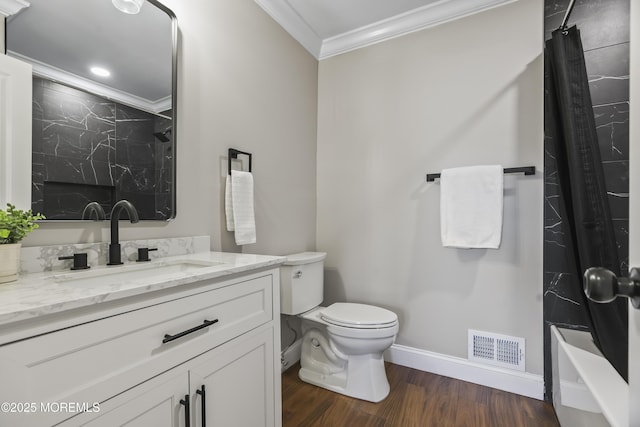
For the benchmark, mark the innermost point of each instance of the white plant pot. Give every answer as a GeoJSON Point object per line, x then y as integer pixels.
{"type": "Point", "coordinates": [9, 262]}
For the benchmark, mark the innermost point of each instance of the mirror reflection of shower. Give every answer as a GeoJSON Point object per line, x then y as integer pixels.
{"type": "Point", "coordinates": [164, 136]}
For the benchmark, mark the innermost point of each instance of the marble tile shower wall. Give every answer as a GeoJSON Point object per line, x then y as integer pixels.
{"type": "Point", "coordinates": [604, 27]}
{"type": "Point", "coordinates": [88, 148]}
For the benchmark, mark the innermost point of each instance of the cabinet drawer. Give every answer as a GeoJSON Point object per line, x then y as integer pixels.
{"type": "Point", "coordinates": [93, 361]}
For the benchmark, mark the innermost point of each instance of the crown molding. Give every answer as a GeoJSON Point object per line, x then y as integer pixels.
{"type": "Point", "coordinates": [282, 12]}
{"type": "Point", "coordinates": [56, 74]}
{"type": "Point", "coordinates": [11, 7]}
{"type": "Point", "coordinates": [414, 20]}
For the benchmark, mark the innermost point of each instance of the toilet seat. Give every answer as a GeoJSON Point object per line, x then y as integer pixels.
{"type": "Point", "coordinates": [358, 316]}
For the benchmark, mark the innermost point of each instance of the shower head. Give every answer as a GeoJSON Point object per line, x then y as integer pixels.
{"type": "Point", "coordinates": [163, 136]}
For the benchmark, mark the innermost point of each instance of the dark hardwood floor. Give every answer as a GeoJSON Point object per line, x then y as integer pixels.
{"type": "Point", "coordinates": [417, 399]}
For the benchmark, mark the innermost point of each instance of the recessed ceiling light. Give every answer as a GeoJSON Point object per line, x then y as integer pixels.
{"type": "Point", "coordinates": [128, 6]}
{"type": "Point", "coordinates": [101, 72]}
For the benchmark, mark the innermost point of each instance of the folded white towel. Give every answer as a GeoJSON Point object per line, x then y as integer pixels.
{"type": "Point", "coordinates": [471, 206]}
{"type": "Point", "coordinates": [242, 218]}
{"type": "Point", "coordinates": [228, 205]}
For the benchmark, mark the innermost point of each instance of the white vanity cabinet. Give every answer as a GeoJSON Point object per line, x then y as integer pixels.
{"type": "Point", "coordinates": [146, 360]}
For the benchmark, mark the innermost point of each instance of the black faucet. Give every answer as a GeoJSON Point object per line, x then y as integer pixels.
{"type": "Point", "coordinates": [91, 208]}
{"type": "Point", "coordinates": [114, 246]}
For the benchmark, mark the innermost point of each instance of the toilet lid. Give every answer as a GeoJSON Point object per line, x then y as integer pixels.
{"type": "Point", "coordinates": [363, 316]}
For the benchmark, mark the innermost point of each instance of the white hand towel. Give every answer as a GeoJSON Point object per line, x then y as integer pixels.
{"type": "Point", "coordinates": [242, 206]}
{"type": "Point", "coordinates": [471, 206]}
{"type": "Point", "coordinates": [228, 205]}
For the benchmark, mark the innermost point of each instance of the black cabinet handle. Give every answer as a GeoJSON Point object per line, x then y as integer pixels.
{"type": "Point", "coordinates": [204, 409]}
{"type": "Point", "coordinates": [187, 418]}
{"type": "Point", "coordinates": [168, 338]}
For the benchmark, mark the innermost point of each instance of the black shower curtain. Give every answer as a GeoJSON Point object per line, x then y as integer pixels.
{"type": "Point", "coordinates": [584, 206]}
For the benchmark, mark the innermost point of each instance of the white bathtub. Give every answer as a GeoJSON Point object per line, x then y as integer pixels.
{"type": "Point", "coordinates": [587, 390]}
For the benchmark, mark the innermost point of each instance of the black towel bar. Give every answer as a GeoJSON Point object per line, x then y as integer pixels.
{"type": "Point", "coordinates": [527, 170]}
{"type": "Point", "coordinates": [233, 154]}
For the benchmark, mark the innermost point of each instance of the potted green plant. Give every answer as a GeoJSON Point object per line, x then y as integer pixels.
{"type": "Point", "coordinates": [15, 224]}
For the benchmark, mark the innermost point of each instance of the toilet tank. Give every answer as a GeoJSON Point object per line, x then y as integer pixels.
{"type": "Point", "coordinates": [302, 282]}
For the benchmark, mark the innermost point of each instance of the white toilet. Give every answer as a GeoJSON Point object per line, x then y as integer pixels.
{"type": "Point", "coordinates": [342, 344]}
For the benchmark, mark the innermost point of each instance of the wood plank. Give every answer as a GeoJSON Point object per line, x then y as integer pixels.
{"type": "Point", "coordinates": [417, 398]}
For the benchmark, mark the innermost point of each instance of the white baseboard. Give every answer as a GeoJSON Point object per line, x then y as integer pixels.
{"type": "Point", "coordinates": [517, 382]}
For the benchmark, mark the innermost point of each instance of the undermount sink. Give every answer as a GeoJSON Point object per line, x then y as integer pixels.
{"type": "Point", "coordinates": [149, 271]}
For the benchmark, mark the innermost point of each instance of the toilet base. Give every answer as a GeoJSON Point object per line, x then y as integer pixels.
{"type": "Point", "coordinates": [364, 378]}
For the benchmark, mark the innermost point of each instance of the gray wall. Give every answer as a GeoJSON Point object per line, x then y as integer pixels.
{"type": "Point", "coordinates": [463, 93]}
{"type": "Point", "coordinates": [245, 83]}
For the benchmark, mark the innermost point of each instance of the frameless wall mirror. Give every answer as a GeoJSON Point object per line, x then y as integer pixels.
{"type": "Point", "coordinates": [104, 90]}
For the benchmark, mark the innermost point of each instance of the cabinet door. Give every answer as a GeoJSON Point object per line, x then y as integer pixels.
{"type": "Point", "coordinates": [239, 380]}
{"type": "Point", "coordinates": [154, 403]}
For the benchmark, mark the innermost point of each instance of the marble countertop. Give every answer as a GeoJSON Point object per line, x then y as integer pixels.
{"type": "Point", "coordinates": [37, 294]}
